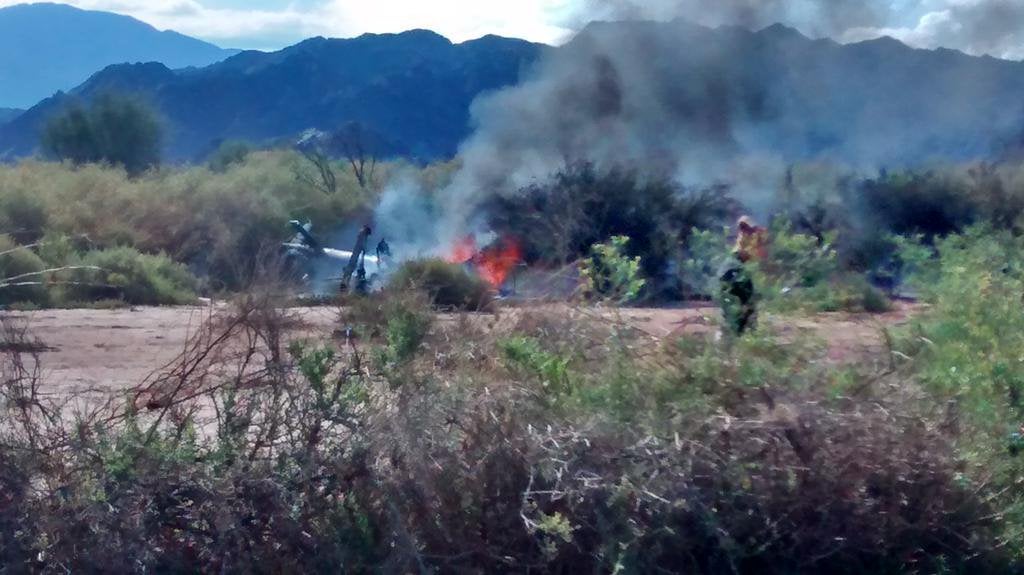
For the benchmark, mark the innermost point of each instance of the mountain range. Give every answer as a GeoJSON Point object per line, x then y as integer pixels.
{"type": "Point", "coordinates": [789, 95]}
{"type": "Point", "coordinates": [414, 89]}
{"type": "Point", "coordinates": [45, 48]}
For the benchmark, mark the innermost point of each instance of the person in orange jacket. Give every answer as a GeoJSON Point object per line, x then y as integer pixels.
{"type": "Point", "coordinates": [751, 241]}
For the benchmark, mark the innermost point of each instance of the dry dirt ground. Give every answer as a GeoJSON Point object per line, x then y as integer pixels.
{"type": "Point", "coordinates": [111, 350]}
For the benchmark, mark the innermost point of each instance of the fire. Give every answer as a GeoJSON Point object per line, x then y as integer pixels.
{"type": "Point", "coordinates": [463, 251]}
{"type": "Point", "coordinates": [493, 264]}
{"type": "Point", "coordinates": [496, 262]}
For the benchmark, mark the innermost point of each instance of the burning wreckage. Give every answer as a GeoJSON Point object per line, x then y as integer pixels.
{"type": "Point", "coordinates": [310, 261]}
{"type": "Point", "coordinates": [494, 263]}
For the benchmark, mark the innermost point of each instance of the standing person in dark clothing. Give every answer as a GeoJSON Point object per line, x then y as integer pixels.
{"type": "Point", "coordinates": [383, 252]}
{"type": "Point", "coordinates": [738, 293]}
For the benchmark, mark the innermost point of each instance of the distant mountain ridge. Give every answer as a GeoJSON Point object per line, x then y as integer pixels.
{"type": "Point", "coordinates": [8, 114]}
{"type": "Point", "coordinates": [795, 97]}
{"type": "Point", "coordinates": [45, 48]}
{"type": "Point", "coordinates": [413, 89]}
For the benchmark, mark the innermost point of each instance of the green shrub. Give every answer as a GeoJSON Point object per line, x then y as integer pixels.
{"type": "Point", "coordinates": [136, 278]}
{"type": "Point", "coordinates": [706, 253]}
{"type": "Point", "coordinates": [21, 262]}
{"type": "Point", "coordinates": [228, 154]}
{"type": "Point", "coordinates": [798, 260]}
{"type": "Point", "coordinates": [967, 352]}
{"type": "Point", "coordinates": [56, 250]}
{"type": "Point", "coordinates": [23, 216]}
{"type": "Point", "coordinates": [872, 299]}
{"type": "Point", "coordinates": [610, 274]}
{"type": "Point", "coordinates": [918, 266]}
{"type": "Point", "coordinates": [529, 356]}
{"type": "Point", "coordinates": [970, 345]}
{"type": "Point", "coordinates": [448, 286]}
{"type": "Point", "coordinates": [218, 224]}
{"type": "Point", "coordinates": [406, 328]}
{"type": "Point", "coordinates": [845, 293]}
{"type": "Point", "coordinates": [400, 321]}
{"type": "Point", "coordinates": [333, 395]}
{"type": "Point", "coordinates": [803, 273]}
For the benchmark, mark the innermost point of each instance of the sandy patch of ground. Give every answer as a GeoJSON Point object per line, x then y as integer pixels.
{"type": "Point", "coordinates": [111, 350]}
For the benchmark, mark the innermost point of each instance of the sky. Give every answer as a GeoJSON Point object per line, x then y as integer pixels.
{"type": "Point", "coordinates": [993, 27]}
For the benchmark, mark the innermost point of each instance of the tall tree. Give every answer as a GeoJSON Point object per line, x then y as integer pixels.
{"type": "Point", "coordinates": [360, 148]}
{"type": "Point", "coordinates": [311, 146]}
{"type": "Point", "coordinates": [117, 129]}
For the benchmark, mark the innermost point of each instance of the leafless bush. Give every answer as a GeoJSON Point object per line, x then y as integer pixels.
{"type": "Point", "coordinates": [798, 489]}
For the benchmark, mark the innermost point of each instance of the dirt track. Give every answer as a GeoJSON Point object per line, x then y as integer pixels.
{"type": "Point", "coordinates": [115, 349]}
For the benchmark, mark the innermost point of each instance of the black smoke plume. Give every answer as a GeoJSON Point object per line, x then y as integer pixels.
{"type": "Point", "coordinates": [725, 106]}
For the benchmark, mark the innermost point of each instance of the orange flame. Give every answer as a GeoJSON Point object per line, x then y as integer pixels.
{"type": "Point", "coordinates": [493, 264]}
{"type": "Point", "coordinates": [463, 251]}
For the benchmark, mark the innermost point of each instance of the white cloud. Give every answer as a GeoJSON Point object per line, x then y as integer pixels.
{"type": "Point", "coordinates": [272, 28]}
{"type": "Point", "coordinates": [456, 19]}
{"type": "Point", "coordinates": [992, 27]}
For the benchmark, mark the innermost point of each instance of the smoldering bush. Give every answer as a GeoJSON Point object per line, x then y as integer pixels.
{"type": "Point", "coordinates": [862, 211]}
{"type": "Point", "coordinates": [561, 219]}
